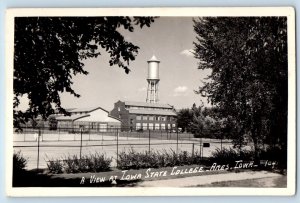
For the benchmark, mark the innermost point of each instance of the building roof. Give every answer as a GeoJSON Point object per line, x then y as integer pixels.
{"type": "Point", "coordinates": [78, 110]}
{"type": "Point", "coordinates": [84, 113]}
{"type": "Point", "coordinates": [153, 58]}
{"type": "Point", "coordinates": [152, 112]}
{"type": "Point", "coordinates": [145, 104]}
{"type": "Point", "coordinates": [71, 117]}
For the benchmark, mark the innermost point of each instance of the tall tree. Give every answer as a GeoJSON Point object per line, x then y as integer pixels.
{"type": "Point", "coordinates": [49, 51]}
{"type": "Point", "coordinates": [248, 82]}
{"type": "Point", "coordinates": [184, 118]}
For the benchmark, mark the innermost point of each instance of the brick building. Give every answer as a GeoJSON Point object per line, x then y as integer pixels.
{"type": "Point", "coordinates": [146, 116]}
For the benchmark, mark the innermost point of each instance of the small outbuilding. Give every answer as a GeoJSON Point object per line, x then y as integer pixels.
{"type": "Point", "coordinates": [90, 119]}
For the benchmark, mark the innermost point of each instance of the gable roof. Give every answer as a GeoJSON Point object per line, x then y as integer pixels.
{"type": "Point", "coordinates": [85, 109]}
{"type": "Point", "coordinates": [71, 117]}
{"type": "Point", "coordinates": [145, 104]}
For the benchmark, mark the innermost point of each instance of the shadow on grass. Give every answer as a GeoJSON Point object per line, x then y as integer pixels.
{"type": "Point", "coordinates": [36, 178]}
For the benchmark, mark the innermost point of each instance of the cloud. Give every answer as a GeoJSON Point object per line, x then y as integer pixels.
{"type": "Point", "coordinates": [180, 91]}
{"type": "Point", "coordinates": [188, 52]}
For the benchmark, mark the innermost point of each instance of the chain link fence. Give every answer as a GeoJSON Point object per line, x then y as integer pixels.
{"type": "Point", "coordinates": [39, 145]}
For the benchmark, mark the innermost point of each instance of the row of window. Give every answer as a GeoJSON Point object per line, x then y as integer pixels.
{"type": "Point", "coordinates": [81, 112]}
{"type": "Point", "coordinates": [156, 118]}
{"type": "Point", "coordinates": [154, 126]}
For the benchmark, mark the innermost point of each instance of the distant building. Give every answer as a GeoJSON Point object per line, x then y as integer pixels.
{"type": "Point", "coordinates": [149, 115]}
{"type": "Point", "coordinates": [146, 116]}
{"type": "Point", "coordinates": [92, 119]}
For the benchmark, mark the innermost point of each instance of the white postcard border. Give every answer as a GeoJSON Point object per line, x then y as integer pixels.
{"type": "Point", "coordinates": [157, 191]}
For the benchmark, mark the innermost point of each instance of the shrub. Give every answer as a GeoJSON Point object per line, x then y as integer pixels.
{"type": "Point", "coordinates": [19, 162]}
{"type": "Point", "coordinates": [146, 159]}
{"type": "Point", "coordinates": [52, 122]}
{"type": "Point", "coordinates": [73, 164]}
{"type": "Point", "coordinates": [275, 154]}
{"type": "Point", "coordinates": [229, 156]}
{"type": "Point", "coordinates": [55, 166]}
{"type": "Point", "coordinates": [98, 162]}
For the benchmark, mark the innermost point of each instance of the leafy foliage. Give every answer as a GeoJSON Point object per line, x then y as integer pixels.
{"type": "Point", "coordinates": [52, 122]}
{"type": "Point", "coordinates": [248, 82]}
{"type": "Point", "coordinates": [55, 166]}
{"type": "Point", "coordinates": [73, 164]}
{"type": "Point", "coordinates": [19, 162]}
{"type": "Point", "coordinates": [276, 154]}
{"type": "Point", "coordinates": [203, 122]}
{"type": "Point", "coordinates": [229, 156]}
{"type": "Point", "coordinates": [49, 51]}
{"type": "Point", "coordinates": [136, 160]}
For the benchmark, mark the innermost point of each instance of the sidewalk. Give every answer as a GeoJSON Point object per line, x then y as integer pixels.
{"type": "Point", "coordinates": [204, 180]}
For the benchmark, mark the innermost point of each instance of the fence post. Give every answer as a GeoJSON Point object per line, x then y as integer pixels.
{"type": "Point", "coordinates": [177, 142]}
{"type": "Point", "coordinates": [117, 146]}
{"type": "Point", "coordinates": [38, 154]}
{"type": "Point", "coordinates": [80, 143]}
{"type": "Point", "coordinates": [149, 142]}
{"type": "Point", "coordinates": [200, 139]}
{"type": "Point", "coordinates": [193, 145]}
{"type": "Point", "coordinates": [221, 144]}
{"type": "Point", "coordinates": [167, 132]}
{"type": "Point", "coordinates": [202, 150]}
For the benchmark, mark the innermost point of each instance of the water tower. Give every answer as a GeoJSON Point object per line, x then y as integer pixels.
{"type": "Point", "coordinates": [153, 80]}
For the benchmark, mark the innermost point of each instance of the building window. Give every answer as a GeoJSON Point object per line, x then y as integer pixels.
{"type": "Point", "coordinates": [138, 126]}
{"type": "Point", "coordinates": [151, 118]}
{"type": "Point", "coordinates": [119, 109]}
{"type": "Point", "coordinates": [163, 118]}
{"type": "Point", "coordinates": [145, 118]}
{"type": "Point", "coordinates": [131, 121]}
{"type": "Point", "coordinates": [173, 125]}
{"type": "Point", "coordinates": [169, 126]}
{"type": "Point", "coordinates": [145, 126]}
{"type": "Point", "coordinates": [139, 118]}
{"type": "Point", "coordinates": [156, 126]}
{"type": "Point", "coordinates": [157, 118]}
{"type": "Point", "coordinates": [151, 126]}
{"type": "Point", "coordinates": [163, 126]}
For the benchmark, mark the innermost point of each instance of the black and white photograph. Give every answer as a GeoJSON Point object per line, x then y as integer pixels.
{"type": "Point", "coordinates": [173, 101]}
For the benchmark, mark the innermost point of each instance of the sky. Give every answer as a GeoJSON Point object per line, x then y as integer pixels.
{"type": "Point", "coordinates": [170, 39]}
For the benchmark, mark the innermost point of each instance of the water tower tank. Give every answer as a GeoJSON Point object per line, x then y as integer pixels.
{"type": "Point", "coordinates": [153, 68]}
